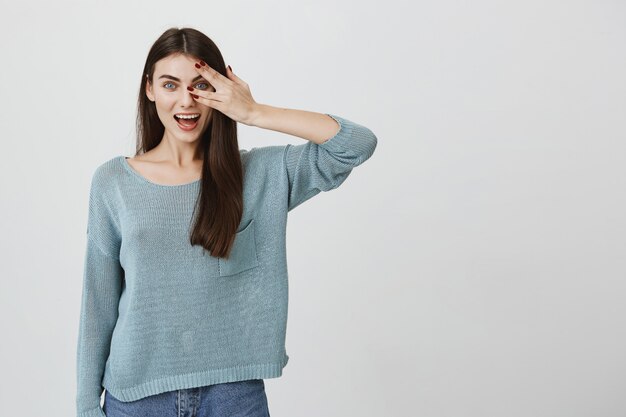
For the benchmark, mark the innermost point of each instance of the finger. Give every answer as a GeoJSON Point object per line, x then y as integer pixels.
{"type": "Point", "coordinates": [232, 75]}
{"type": "Point", "coordinates": [207, 98]}
{"type": "Point", "coordinates": [215, 78]}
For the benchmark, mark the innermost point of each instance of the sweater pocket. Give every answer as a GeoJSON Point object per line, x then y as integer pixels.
{"type": "Point", "coordinates": [243, 255]}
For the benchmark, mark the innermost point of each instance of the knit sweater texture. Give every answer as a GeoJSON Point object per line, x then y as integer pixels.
{"type": "Point", "coordinates": [158, 314]}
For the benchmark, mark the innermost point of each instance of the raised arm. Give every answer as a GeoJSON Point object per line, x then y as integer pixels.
{"type": "Point", "coordinates": [312, 167]}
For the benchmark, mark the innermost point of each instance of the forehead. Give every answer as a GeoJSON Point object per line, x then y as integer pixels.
{"type": "Point", "coordinates": [180, 66]}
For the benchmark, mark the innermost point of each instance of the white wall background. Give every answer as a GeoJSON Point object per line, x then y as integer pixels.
{"type": "Point", "coordinates": [474, 266]}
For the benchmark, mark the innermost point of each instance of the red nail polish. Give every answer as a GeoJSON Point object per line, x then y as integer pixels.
{"type": "Point", "coordinates": [202, 63]}
{"type": "Point", "coordinates": [195, 96]}
{"type": "Point", "coordinates": [189, 88]}
{"type": "Point", "coordinates": [197, 66]}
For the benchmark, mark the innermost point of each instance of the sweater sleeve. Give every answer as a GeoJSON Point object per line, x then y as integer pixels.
{"type": "Point", "coordinates": [312, 168]}
{"type": "Point", "coordinates": [102, 284]}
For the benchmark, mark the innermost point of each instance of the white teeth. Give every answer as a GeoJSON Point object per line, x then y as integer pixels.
{"type": "Point", "coordinates": [184, 116]}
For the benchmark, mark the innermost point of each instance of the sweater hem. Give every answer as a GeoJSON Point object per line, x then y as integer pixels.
{"type": "Point", "coordinates": [196, 379]}
{"type": "Point", "coordinates": [94, 412]}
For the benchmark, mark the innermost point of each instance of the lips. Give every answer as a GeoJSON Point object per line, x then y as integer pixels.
{"type": "Point", "coordinates": [187, 124]}
{"type": "Point", "coordinates": [186, 114]}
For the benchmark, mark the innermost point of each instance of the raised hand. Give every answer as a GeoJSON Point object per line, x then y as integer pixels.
{"type": "Point", "coordinates": [232, 95]}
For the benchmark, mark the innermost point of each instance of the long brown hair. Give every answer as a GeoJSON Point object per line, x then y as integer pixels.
{"type": "Point", "coordinates": [219, 206]}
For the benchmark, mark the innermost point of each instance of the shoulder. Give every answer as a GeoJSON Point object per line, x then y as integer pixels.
{"type": "Point", "coordinates": [264, 167]}
{"type": "Point", "coordinates": [107, 169]}
{"type": "Point", "coordinates": [263, 157]}
{"type": "Point", "coordinates": [105, 176]}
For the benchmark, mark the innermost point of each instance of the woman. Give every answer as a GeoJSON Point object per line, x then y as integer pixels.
{"type": "Point", "coordinates": [184, 302]}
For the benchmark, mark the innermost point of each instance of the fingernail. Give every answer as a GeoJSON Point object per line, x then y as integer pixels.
{"type": "Point", "coordinates": [189, 88]}
{"type": "Point", "coordinates": [197, 66]}
{"type": "Point", "coordinates": [195, 96]}
{"type": "Point", "coordinates": [202, 63]}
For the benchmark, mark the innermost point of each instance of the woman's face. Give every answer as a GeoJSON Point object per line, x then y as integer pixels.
{"type": "Point", "coordinates": [169, 92]}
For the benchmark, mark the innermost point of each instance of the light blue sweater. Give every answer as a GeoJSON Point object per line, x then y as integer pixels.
{"type": "Point", "coordinates": [158, 314]}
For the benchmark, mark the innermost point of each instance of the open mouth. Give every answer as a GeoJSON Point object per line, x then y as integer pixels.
{"type": "Point", "coordinates": [187, 122]}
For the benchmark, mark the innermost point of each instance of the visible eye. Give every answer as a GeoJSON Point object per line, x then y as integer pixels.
{"type": "Point", "coordinates": [167, 84]}
{"type": "Point", "coordinates": [207, 86]}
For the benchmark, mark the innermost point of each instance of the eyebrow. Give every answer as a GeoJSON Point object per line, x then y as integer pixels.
{"type": "Point", "coordinates": [171, 77]}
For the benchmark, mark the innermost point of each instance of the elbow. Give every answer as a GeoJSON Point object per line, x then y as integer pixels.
{"type": "Point", "coordinates": [372, 142]}
{"type": "Point", "coordinates": [367, 142]}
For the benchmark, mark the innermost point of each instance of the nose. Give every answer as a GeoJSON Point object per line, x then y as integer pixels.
{"type": "Point", "coordinates": [187, 100]}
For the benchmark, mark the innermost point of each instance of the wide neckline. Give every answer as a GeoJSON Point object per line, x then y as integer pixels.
{"type": "Point", "coordinates": [131, 170]}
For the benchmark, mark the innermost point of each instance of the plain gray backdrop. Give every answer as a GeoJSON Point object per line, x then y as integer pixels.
{"type": "Point", "coordinates": [474, 266]}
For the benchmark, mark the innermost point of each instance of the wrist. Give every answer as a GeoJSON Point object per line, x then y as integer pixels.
{"type": "Point", "coordinates": [257, 114]}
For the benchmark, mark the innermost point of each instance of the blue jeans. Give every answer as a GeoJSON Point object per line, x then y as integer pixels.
{"type": "Point", "coordinates": [230, 399]}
